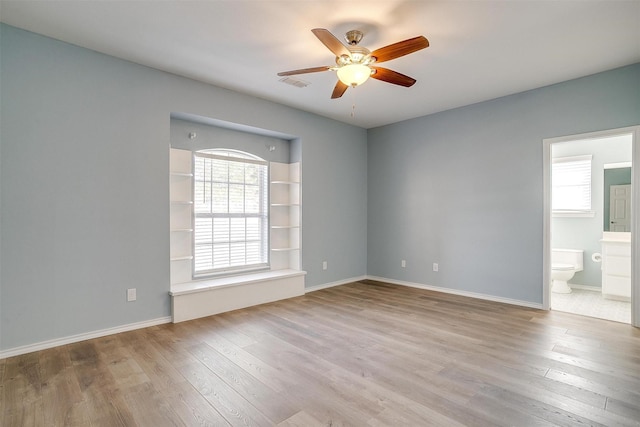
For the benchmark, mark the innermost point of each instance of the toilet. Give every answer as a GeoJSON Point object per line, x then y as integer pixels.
{"type": "Point", "coordinates": [564, 264]}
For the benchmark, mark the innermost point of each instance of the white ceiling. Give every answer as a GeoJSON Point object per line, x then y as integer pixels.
{"type": "Point", "coordinates": [479, 49]}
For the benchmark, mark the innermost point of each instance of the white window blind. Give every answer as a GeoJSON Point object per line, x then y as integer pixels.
{"type": "Point", "coordinates": [230, 212]}
{"type": "Point", "coordinates": [571, 184]}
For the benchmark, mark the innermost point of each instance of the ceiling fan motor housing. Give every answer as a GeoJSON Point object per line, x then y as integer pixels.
{"type": "Point", "coordinates": [358, 55]}
{"type": "Point", "coordinates": [353, 37]}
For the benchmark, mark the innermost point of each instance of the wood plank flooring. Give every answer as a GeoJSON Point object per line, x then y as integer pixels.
{"type": "Point", "coordinates": [363, 354]}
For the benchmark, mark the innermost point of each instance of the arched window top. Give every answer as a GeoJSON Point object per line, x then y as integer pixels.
{"type": "Point", "coordinates": [228, 152]}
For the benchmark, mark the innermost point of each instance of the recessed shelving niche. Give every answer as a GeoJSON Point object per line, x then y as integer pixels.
{"type": "Point", "coordinates": [284, 215]}
{"type": "Point", "coordinates": [191, 298]}
{"type": "Point", "coordinates": [181, 215]}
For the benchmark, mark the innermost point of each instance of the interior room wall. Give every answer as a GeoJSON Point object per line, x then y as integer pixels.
{"type": "Point", "coordinates": [84, 192]}
{"type": "Point", "coordinates": [212, 136]}
{"type": "Point", "coordinates": [585, 233]}
{"type": "Point", "coordinates": [464, 188]}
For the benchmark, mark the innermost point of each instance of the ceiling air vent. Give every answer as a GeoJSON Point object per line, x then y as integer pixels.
{"type": "Point", "coordinates": [295, 82]}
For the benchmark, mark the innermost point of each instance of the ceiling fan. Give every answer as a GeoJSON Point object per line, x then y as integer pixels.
{"type": "Point", "coordinates": [354, 64]}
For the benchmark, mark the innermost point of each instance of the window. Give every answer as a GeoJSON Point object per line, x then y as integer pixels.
{"type": "Point", "coordinates": [571, 185]}
{"type": "Point", "coordinates": [230, 212]}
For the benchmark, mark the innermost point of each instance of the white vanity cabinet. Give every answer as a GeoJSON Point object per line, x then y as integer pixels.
{"type": "Point", "coordinates": [616, 267]}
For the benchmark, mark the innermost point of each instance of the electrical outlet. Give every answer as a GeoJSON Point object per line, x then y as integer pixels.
{"type": "Point", "coordinates": [403, 263]}
{"type": "Point", "coordinates": [324, 265]}
{"type": "Point", "coordinates": [131, 294]}
{"type": "Point", "coordinates": [435, 266]}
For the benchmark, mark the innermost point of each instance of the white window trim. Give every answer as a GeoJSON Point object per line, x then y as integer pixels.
{"type": "Point", "coordinates": [242, 157]}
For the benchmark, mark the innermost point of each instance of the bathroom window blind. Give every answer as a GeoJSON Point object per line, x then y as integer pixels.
{"type": "Point", "coordinates": [230, 213]}
{"type": "Point", "coordinates": [571, 183]}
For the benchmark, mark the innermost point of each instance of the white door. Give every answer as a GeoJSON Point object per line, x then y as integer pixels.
{"type": "Point", "coordinates": [620, 208]}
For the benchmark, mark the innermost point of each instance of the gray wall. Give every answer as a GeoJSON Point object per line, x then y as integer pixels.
{"type": "Point", "coordinates": [212, 136]}
{"type": "Point", "coordinates": [84, 190]}
{"type": "Point", "coordinates": [585, 233]}
{"type": "Point", "coordinates": [464, 188]}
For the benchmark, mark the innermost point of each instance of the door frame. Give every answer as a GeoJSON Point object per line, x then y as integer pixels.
{"type": "Point", "coordinates": [635, 213]}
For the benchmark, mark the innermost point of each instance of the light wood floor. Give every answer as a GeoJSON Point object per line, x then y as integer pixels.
{"type": "Point", "coordinates": [363, 354]}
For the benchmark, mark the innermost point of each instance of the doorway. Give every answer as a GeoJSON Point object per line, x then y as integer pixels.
{"type": "Point", "coordinates": [584, 222]}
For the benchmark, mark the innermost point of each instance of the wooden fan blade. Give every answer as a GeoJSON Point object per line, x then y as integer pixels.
{"type": "Point", "coordinates": [391, 76]}
{"type": "Point", "coordinates": [339, 90]}
{"type": "Point", "coordinates": [304, 71]}
{"type": "Point", "coordinates": [330, 41]}
{"type": "Point", "coordinates": [399, 49]}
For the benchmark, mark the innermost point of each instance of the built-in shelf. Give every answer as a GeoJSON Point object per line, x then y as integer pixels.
{"type": "Point", "coordinates": [285, 216]}
{"type": "Point", "coordinates": [181, 221]}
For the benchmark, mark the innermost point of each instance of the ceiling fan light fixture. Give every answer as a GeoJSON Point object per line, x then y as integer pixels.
{"type": "Point", "coordinates": [354, 74]}
{"type": "Point", "coordinates": [354, 63]}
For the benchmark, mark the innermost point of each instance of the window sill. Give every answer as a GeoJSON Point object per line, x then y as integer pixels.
{"type": "Point", "coordinates": [573, 214]}
{"type": "Point", "coordinates": [224, 282]}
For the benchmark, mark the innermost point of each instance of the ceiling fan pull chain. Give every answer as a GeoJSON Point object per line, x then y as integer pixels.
{"type": "Point", "coordinates": [353, 104]}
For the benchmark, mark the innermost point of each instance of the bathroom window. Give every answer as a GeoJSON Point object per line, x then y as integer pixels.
{"type": "Point", "coordinates": [571, 186]}
{"type": "Point", "coordinates": [230, 212]}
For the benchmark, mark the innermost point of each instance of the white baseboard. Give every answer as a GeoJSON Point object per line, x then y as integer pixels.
{"type": "Point", "coordinates": [332, 284]}
{"type": "Point", "coordinates": [16, 351]}
{"type": "Point", "coordinates": [458, 292]}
